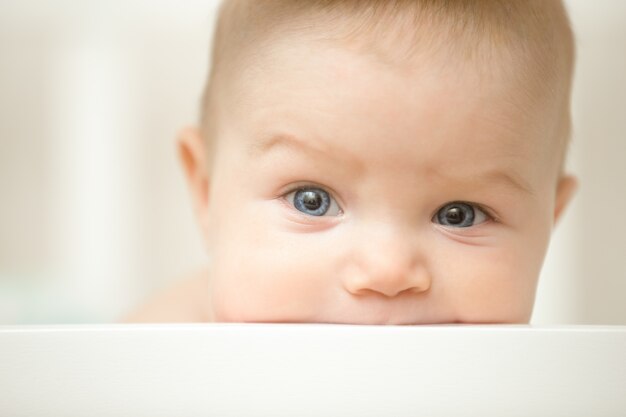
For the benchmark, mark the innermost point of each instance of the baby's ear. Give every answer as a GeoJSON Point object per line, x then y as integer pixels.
{"type": "Point", "coordinates": [193, 158]}
{"type": "Point", "coordinates": [565, 191]}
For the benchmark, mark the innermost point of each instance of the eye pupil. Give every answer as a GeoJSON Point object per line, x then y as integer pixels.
{"type": "Point", "coordinates": [311, 200]}
{"type": "Point", "coordinates": [455, 215]}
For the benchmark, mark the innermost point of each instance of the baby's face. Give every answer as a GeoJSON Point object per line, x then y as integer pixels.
{"type": "Point", "coordinates": [349, 190]}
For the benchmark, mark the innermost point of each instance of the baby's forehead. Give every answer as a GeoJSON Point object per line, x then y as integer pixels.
{"type": "Point", "coordinates": [339, 94]}
{"type": "Point", "coordinates": [333, 74]}
{"type": "Point", "coordinates": [528, 43]}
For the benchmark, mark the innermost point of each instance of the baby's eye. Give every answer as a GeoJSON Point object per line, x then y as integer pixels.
{"type": "Point", "coordinates": [458, 214]}
{"type": "Point", "coordinates": [313, 201]}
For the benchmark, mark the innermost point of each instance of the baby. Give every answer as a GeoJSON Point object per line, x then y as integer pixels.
{"type": "Point", "coordinates": [377, 162]}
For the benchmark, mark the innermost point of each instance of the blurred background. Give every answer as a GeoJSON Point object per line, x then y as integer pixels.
{"type": "Point", "coordinates": [94, 214]}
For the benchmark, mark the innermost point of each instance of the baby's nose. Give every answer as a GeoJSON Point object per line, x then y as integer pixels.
{"type": "Point", "coordinates": [388, 271]}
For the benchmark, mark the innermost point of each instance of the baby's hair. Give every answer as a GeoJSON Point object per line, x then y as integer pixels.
{"type": "Point", "coordinates": [530, 41]}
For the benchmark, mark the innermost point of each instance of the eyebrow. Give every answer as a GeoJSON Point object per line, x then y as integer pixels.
{"type": "Point", "coordinates": [492, 176]}
{"type": "Point", "coordinates": [270, 143]}
{"type": "Point", "coordinates": [506, 178]}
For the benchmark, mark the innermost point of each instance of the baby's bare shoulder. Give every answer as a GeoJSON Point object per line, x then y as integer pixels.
{"type": "Point", "coordinates": [186, 301]}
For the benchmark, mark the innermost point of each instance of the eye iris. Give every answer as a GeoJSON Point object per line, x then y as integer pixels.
{"type": "Point", "coordinates": [312, 201]}
{"type": "Point", "coordinates": [458, 214]}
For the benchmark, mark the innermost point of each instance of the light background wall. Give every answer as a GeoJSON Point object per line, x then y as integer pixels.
{"type": "Point", "coordinates": [94, 214]}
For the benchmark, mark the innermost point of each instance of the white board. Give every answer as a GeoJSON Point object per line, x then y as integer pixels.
{"type": "Point", "coordinates": [312, 370]}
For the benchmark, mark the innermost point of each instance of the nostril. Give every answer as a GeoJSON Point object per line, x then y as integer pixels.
{"type": "Point", "coordinates": [420, 285]}
{"type": "Point", "coordinates": [388, 276]}
{"type": "Point", "coordinates": [363, 292]}
{"type": "Point", "coordinates": [368, 292]}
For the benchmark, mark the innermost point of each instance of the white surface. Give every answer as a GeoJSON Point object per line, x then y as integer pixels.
{"type": "Point", "coordinates": [312, 370]}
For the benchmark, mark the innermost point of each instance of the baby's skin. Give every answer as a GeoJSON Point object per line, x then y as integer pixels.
{"type": "Point", "coordinates": [348, 188]}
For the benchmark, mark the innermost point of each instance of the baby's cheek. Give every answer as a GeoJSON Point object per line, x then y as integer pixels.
{"type": "Point", "coordinates": [268, 282]}
{"type": "Point", "coordinates": [492, 286]}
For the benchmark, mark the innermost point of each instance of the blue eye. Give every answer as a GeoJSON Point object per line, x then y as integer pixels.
{"type": "Point", "coordinates": [313, 201]}
{"type": "Point", "coordinates": [459, 214]}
